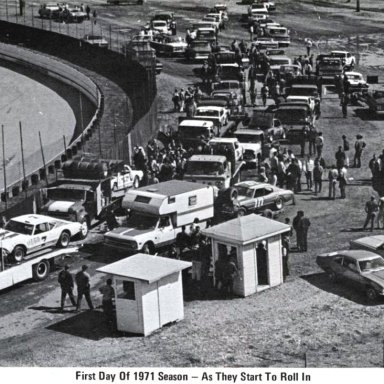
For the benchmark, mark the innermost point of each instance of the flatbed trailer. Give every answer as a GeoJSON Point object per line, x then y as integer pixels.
{"type": "Point", "coordinates": [36, 266]}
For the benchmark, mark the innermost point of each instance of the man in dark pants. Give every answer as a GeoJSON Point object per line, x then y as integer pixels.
{"type": "Point", "coordinates": [303, 227]}
{"type": "Point", "coordinates": [372, 209]}
{"type": "Point", "coordinates": [107, 302]}
{"type": "Point", "coordinates": [83, 287]}
{"type": "Point", "coordinates": [359, 147]}
{"type": "Point", "coordinates": [66, 282]}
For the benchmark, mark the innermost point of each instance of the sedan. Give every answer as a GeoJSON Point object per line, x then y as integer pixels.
{"type": "Point", "coordinates": [96, 40]}
{"type": "Point", "coordinates": [27, 234]}
{"type": "Point", "coordinates": [362, 269]}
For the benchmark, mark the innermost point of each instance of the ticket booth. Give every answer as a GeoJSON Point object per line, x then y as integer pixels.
{"type": "Point", "coordinates": [255, 243]}
{"type": "Point", "coordinates": [148, 292]}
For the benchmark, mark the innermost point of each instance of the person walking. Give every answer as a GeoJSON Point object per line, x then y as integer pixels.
{"type": "Point", "coordinates": [94, 14]}
{"type": "Point", "coordinates": [88, 11]}
{"type": "Point", "coordinates": [319, 144]}
{"type": "Point", "coordinates": [264, 94]}
{"type": "Point", "coordinates": [380, 216]}
{"type": "Point", "coordinates": [107, 303]}
{"type": "Point", "coordinates": [344, 104]}
{"type": "Point", "coordinates": [65, 280]}
{"type": "Point", "coordinates": [318, 177]}
{"type": "Point", "coordinates": [372, 209]}
{"type": "Point", "coordinates": [359, 147]}
{"type": "Point", "coordinates": [345, 149]}
{"type": "Point", "coordinates": [176, 101]}
{"type": "Point", "coordinates": [308, 45]}
{"type": "Point", "coordinates": [333, 175]}
{"type": "Point", "coordinates": [303, 227]}
{"type": "Point", "coordinates": [83, 287]}
{"type": "Point", "coordinates": [229, 274]}
{"type": "Point", "coordinates": [312, 135]}
{"type": "Point", "coordinates": [308, 168]}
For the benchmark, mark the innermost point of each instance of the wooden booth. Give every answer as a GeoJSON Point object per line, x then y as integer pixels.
{"type": "Point", "coordinates": [148, 292]}
{"type": "Point", "coordinates": [256, 245]}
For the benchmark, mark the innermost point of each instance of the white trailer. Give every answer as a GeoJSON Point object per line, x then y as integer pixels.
{"type": "Point", "coordinates": [157, 213]}
{"type": "Point", "coordinates": [36, 267]}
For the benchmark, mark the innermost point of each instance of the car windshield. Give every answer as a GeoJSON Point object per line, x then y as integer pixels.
{"type": "Point", "coordinates": [205, 168]}
{"type": "Point", "coordinates": [159, 23]}
{"type": "Point", "coordinates": [140, 221]}
{"type": "Point", "coordinates": [227, 86]}
{"type": "Point", "coordinates": [65, 194]}
{"type": "Point", "coordinates": [292, 116]}
{"type": "Point", "coordinates": [18, 227]}
{"type": "Point", "coordinates": [246, 138]}
{"type": "Point", "coordinates": [207, 113]}
{"type": "Point", "coordinates": [371, 265]}
{"type": "Point", "coordinates": [193, 132]}
{"type": "Point", "coordinates": [278, 31]}
{"type": "Point", "coordinates": [245, 191]}
{"type": "Point", "coordinates": [278, 61]}
{"type": "Point", "coordinates": [304, 91]}
{"type": "Point", "coordinates": [355, 77]}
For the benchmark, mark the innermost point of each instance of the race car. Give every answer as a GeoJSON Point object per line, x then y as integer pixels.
{"type": "Point", "coordinates": [255, 197]}
{"type": "Point", "coordinates": [26, 234]}
{"type": "Point", "coordinates": [128, 178]}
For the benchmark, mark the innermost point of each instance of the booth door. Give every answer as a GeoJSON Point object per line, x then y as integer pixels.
{"type": "Point", "coordinates": [128, 314]}
{"type": "Point", "coordinates": [262, 264]}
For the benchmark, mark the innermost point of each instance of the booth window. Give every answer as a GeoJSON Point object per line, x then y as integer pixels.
{"type": "Point", "coordinates": [192, 200]}
{"type": "Point", "coordinates": [125, 290]}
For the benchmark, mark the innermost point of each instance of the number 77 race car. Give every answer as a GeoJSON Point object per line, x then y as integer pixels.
{"type": "Point", "coordinates": [26, 234]}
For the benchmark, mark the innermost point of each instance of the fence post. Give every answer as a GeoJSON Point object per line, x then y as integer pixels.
{"type": "Point", "coordinates": [6, 9]}
{"type": "Point", "coordinates": [383, 353]}
{"type": "Point", "coordinates": [305, 360]}
{"type": "Point", "coordinates": [32, 17]}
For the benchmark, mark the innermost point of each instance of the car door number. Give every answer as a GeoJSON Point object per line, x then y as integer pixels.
{"type": "Point", "coordinates": [259, 202]}
{"type": "Point", "coordinates": [34, 241]}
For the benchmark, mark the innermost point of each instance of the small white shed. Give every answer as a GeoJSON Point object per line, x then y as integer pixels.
{"type": "Point", "coordinates": [255, 243]}
{"type": "Point", "coordinates": [148, 292]}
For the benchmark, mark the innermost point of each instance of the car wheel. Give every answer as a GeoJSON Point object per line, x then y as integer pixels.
{"type": "Point", "coordinates": [371, 294]}
{"type": "Point", "coordinates": [64, 240]}
{"type": "Point", "coordinates": [148, 248]}
{"type": "Point", "coordinates": [332, 276]}
{"type": "Point", "coordinates": [41, 270]}
{"type": "Point", "coordinates": [18, 254]}
{"type": "Point", "coordinates": [136, 183]}
{"type": "Point", "coordinates": [241, 212]}
{"type": "Point", "coordinates": [84, 228]}
{"type": "Point", "coordinates": [279, 203]}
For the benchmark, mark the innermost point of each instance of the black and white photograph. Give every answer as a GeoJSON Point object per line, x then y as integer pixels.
{"type": "Point", "coordinates": [192, 184]}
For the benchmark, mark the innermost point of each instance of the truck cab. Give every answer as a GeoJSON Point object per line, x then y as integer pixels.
{"type": "Point", "coordinates": [193, 132]}
{"type": "Point", "coordinates": [213, 170]}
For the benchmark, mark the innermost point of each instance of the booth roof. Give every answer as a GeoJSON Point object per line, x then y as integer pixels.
{"type": "Point", "coordinates": [145, 267]}
{"type": "Point", "coordinates": [246, 229]}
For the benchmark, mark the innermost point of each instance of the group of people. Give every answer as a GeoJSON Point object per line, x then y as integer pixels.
{"type": "Point", "coordinates": [185, 100]}
{"type": "Point", "coordinates": [82, 280]}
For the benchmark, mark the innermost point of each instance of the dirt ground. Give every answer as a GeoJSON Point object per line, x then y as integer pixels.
{"type": "Point", "coordinates": [333, 325]}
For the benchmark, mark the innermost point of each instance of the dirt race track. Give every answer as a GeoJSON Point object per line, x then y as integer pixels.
{"type": "Point", "coordinates": [333, 324]}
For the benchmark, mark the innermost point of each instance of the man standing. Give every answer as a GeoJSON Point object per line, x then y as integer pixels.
{"type": "Point", "coordinates": [359, 147]}
{"type": "Point", "coordinates": [303, 227]}
{"type": "Point", "coordinates": [66, 283]}
{"type": "Point", "coordinates": [83, 287]}
{"type": "Point", "coordinates": [333, 175]}
{"type": "Point", "coordinates": [296, 225]}
{"type": "Point", "coordinates": [344, 104]}
{"type": "Point", "coordinates": [108, 293]}
{"type": "Point", "coordinates": [342, 182]}
{"type": "Point", "coordinates": [308, 168]}
{"type": "Point", "coordinates": [372, 209]}
{"type": "Point", "coordinates": [319, 144]}
{"type": "Point", "coordinates": [318, 176]}
{"type": "Point", "coordinates": [340, 158]}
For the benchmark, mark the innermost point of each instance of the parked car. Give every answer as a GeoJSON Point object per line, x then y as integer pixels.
{"type": "Point", "coordinates": [96, 40]}
{"type": "Point", "coordinates": [218, 115]}
{"type": "Point", "coordinates": [347, 59]}
{"type": "Point", "coordinates": [160, 26]}
{"type": "Point", "coordinates": [169, 45]}
{"type": "Point", "coordinates": [26, 234]}
{"type": "Point", "coordinates": [72, 15]}
{"type": "Point", "coordinates": [362, 269]}
{"type": "Point", "coordinates": [218, 145]}
{"type": "Point", "coordinates": [198, 50]}
{"type": "Point", "coordinates": [264, 43]}
{"type": "Point", "coordinates": [373, 244]}
{"type": "Point", "coordinates": [49, 11]}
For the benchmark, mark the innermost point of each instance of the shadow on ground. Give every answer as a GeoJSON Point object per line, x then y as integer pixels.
{"type": "Point", "coordinates": [89, 325]}
{"type": "Point", "coordinates": [342, 289]}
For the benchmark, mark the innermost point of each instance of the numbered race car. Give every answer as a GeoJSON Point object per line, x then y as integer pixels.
{"type": "Point", "coordinates": [127, 178]}
{"type": "Point", "coordinates": [26, 234]}
{"type": "Point", "coordinates": [254, 197]}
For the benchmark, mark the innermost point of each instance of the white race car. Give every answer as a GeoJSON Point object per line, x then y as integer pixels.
{"type": "Point", "coordinates": [128, 178]}
{"type": "Point", "coordinates": [26, 234]}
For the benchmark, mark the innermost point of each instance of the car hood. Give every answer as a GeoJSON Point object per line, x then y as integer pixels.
{"type": "Point", "coordinates": [376, 276]}
{"type": "Point", "coordinates": [6, 235]}
{"type": "Point", "coordinates": [128, 233]}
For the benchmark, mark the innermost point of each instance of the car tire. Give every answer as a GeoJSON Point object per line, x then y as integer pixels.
{"type": "Point", "coordinates": [136, 182]}
{"type": "Point", "coordinates": [241, 212]}
{"type": "Point", "coordinates": [41, 270]}
{"type": "Point", "coordinates": [371, 294]}
{"type": "Point", "coordinates": [279, 203]}
{"type": "Point", "coordinates": [64, 239]}
{"type": "Point", "coordinates": [18, 254]}
{"type": "Point", "coordinates": [332, 276]}
{"type": "Point", "coordinates": [85, 224]}
{"type": "Point", "coordinates": [148, 248]}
